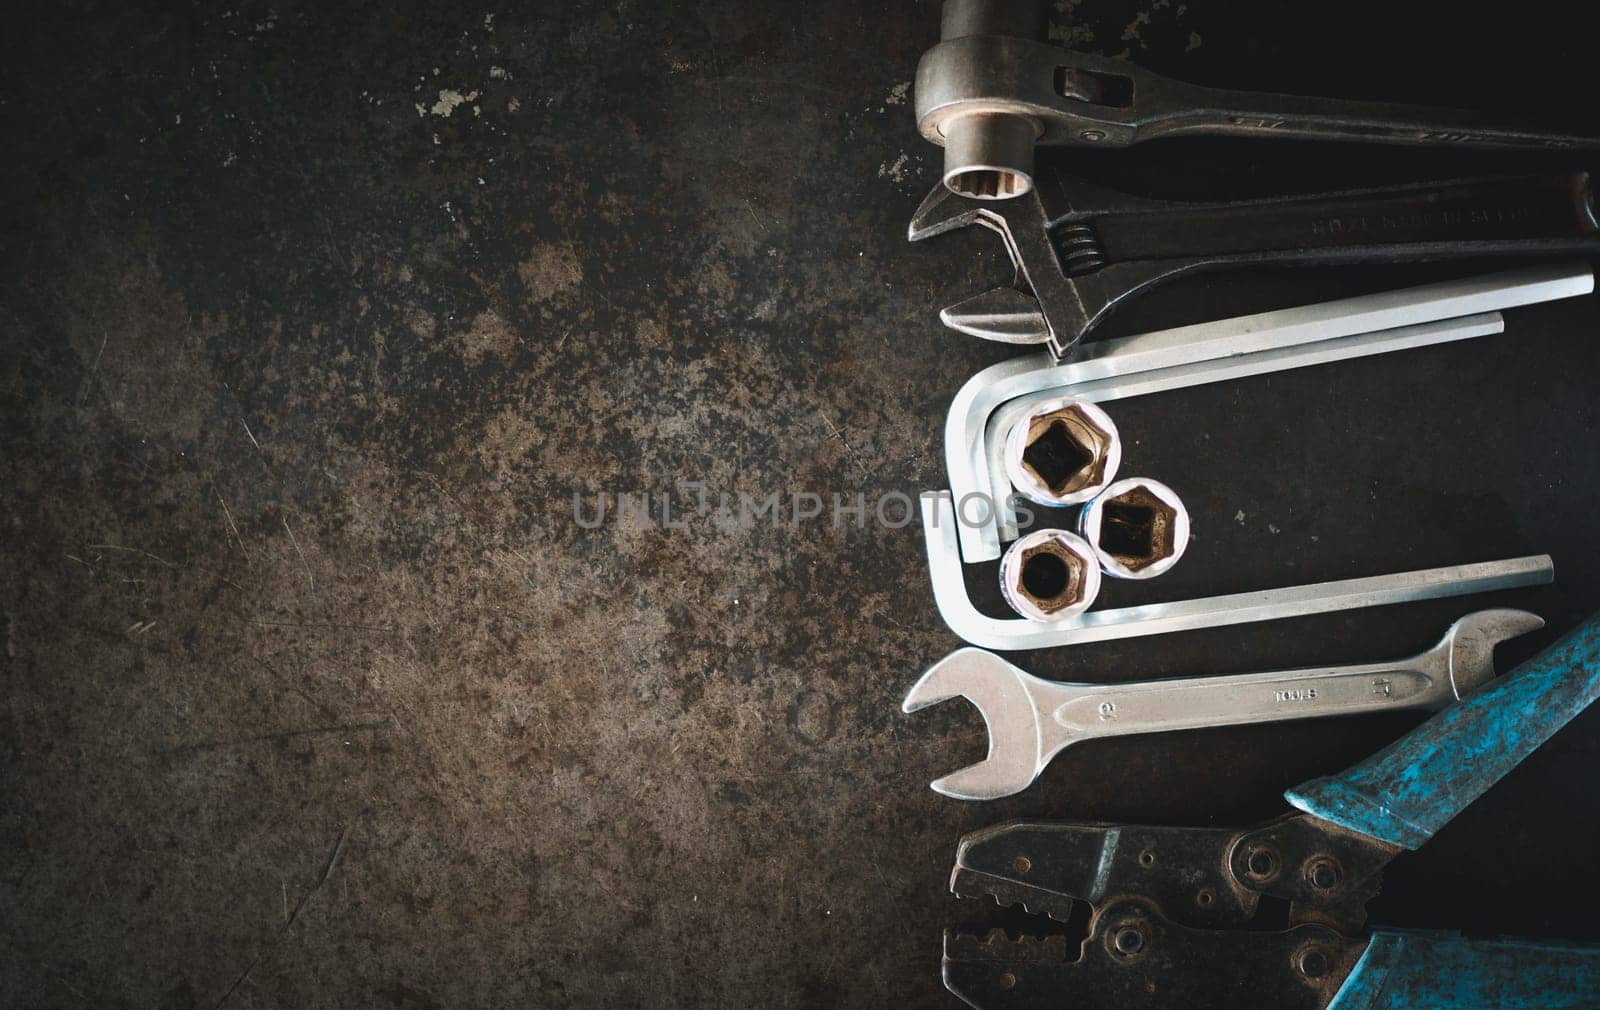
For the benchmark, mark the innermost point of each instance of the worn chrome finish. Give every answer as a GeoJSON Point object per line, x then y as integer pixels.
{"type": "Point", "coordinates": [1050, 576]}
{"type": "Point", "coordinates": [1030, 720]}
{"type": "Point", "coordinates": [1137, 527]}
{"type": "Point", "coordinates": [1163, 380]}
{"type": "Point", "coordinates": [1235, 348]}
{"type": "Point", "coordinates": [988, 152]}
{"type": "Point", "coordinates": [1063, 452]}
{"type": "Point", "coordinates": [977, 628]}
{"type": "Point", "coordinates": [993, 81]}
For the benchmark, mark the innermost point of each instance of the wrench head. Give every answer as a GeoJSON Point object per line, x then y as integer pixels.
{"type": "Point", "coordinates": [943, 211]}
{"type": "Point", "coordinates": [1468, 646]}
{"type": "Point", "coordinates": [999, 691]}
{"type": "Point", "coordinates": [1004, 315]}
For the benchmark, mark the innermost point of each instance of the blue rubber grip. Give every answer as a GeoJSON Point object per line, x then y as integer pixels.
{"type": "Point", "coordinates": [1403, 970]}
{"type": "Point", "coordinates": [1411, 789]}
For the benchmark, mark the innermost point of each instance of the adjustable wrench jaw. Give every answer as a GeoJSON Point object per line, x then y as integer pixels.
{"type": "Point", "coordinates": [1079, 250]}
{"type": "Point", "coordinates": [1043, 304]}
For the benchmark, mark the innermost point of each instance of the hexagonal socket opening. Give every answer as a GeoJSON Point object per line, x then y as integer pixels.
{"type": "Point", "coordinates": [1051, 577]}
{"type": "Point", "coordinates": [1138, 528]}
{"type": "Point", "coordinates": [1067, 451]}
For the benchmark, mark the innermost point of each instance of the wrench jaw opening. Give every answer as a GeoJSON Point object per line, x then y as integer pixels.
{"type": "Point", "coordinates": [1467, 649]}
{"type": "Point", "coordinates": [1007, 315]}
{"type": "Point", "coordinates": [997, 690]}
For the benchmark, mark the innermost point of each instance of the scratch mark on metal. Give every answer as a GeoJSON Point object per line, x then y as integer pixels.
{"type": "Point", "coordinates": [309, 578]}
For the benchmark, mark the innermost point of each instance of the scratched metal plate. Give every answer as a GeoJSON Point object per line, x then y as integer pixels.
{"type": "Point", "coordinates": [316, 693]}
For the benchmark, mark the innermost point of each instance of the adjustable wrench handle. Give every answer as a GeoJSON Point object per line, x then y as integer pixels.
{"type": "Point", "coordinates": [1409, 790]}
{"type": "Point", "coordinates": [1100, 249]}
{"type": "Point", "coordinates": [1470, 217]}
{"type": "Point", "coordinates": [1083, 710]}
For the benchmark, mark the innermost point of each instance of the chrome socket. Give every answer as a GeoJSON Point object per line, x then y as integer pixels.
{"type": "Point", "coordinates": [988, 145]}
{"type": "Point", "coordinates": [1050, 576]}
{"type": "Point", "coordinates": [1137, 528]}
{"type": "Point", "coordinates": [1063, 452]}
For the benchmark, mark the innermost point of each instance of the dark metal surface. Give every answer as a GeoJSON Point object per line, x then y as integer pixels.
{"type": "Point", "coordinates": [315, 693]}
{"type": "Point", "coordinates": [1082, 250]}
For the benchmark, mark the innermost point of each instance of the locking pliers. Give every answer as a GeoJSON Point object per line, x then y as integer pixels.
{"type": "Point", "coordinates": [1170, 907]}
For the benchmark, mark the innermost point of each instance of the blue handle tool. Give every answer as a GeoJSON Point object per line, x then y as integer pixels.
{"type": "Point", "coordinates": [1403, 970]}
{"type": "Point", "coordinates": [1409, 790]}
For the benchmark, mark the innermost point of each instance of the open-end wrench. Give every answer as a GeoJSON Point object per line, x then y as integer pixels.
{"type": "Point", "coordinates": [993, 88]}
{"type": "Point", "coordinates": [1030, 719]}
{"type": "Point", "coordinates": [1080, 250]}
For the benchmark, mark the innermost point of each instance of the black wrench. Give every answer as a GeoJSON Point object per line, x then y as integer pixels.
{"type": "Point", "coordinates": [993, 88]}
{"type": "Point", "coordinates": [1080, 250]}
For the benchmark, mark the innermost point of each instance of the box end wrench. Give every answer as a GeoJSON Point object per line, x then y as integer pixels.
{"type": "Point", "coordinates": [1031, 719]}
{"type": "Point", "coordinates": [994, 87]}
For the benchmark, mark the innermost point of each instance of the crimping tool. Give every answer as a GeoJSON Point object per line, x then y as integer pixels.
{"type": "Point", "coordinates": [1172, 907]}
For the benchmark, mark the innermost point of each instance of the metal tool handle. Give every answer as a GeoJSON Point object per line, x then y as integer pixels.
{"type": "Point", "coordinates": [1468, 217]}
{"type": "Point", "coordinates": [1196, 702]}
{"type": "Point", "coordinates": [1409, 790]}
{"type": "Point", "coordinates": [1258, 114]}
{"type": "Point", "coordinates": [1402, 970]}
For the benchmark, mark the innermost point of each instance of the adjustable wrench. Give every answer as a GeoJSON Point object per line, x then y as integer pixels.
{"type": "Point", "coordinates": [993, 88]}
{"type": "Point", "coordinates": [1080, 250]}
{"type": "Point", "coordinates": [1030, 719]}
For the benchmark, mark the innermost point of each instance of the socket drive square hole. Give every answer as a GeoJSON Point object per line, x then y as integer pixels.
{"type": "Point", "coordinates": [1058, 454]}
{"type": "Point", "coordinates": [1137, 529]}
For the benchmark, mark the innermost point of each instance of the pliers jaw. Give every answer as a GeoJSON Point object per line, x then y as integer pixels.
{"type": "Point", "coordinates": [1135, 957]}
{"type": "Point", "coordinates": [1047, 866]}
{"type": "Point", "coordinates": [1171, 907]}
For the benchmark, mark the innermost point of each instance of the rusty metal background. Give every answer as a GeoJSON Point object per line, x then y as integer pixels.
{"type": "Point", "coordinates": [315, 317]}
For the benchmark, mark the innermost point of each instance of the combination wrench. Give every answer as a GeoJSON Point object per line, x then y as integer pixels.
{"type": "Point", "coordinates": [1031, 719]}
